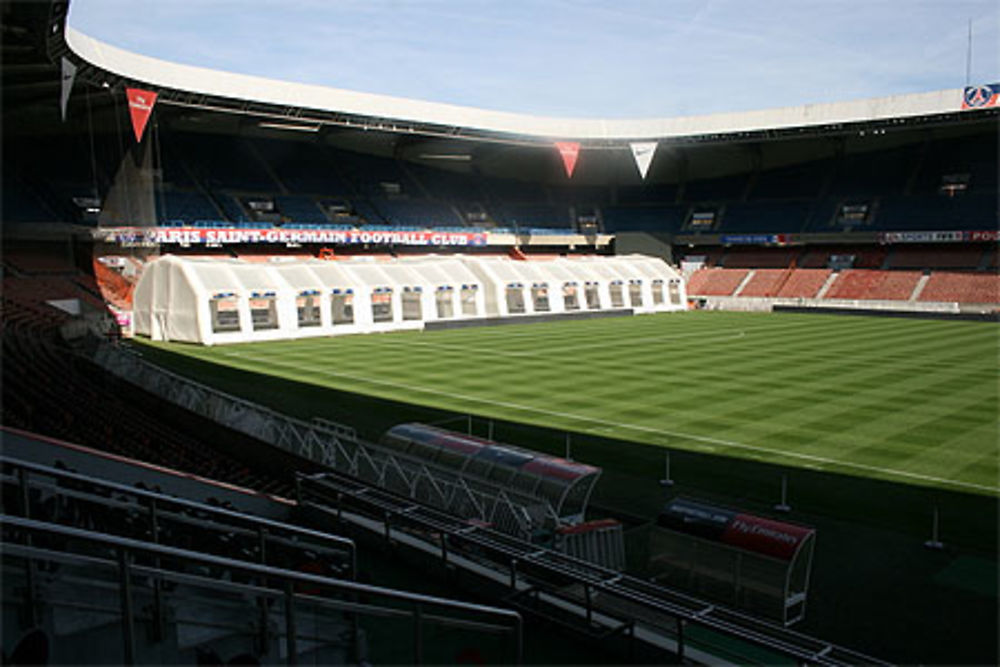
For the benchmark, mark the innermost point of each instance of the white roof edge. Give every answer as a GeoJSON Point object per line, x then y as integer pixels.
{"type": "Point", "coordinates": [201, 80]}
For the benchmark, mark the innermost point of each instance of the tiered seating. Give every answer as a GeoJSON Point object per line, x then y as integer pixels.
{"type": "Point", "coordinates": [865, 257]}
{"type": "Point", "coordinates": [764, 282]}
{"type": "Point", "coordinates": [48, 390]}
{"type": "Point", "coordinates": [957, 256]}
{"type": "Point", "coordinates": [936, 212]}
{"type": "Point", "coordinates": [643, 218]}
{"type": "Point", "coordinates": [763, 258]}
{"type": "Point", "coordinates": [804, 283]}
{"type": "Point", "coordinates": [962, 287]}
{"type": "Point", "coordinates": [896, 286]}
{"type": "Point", "coordinates": [770, 217]}
{"type": "Point", "coordinates": [715, 282]}
{"type": "Point", "coordinates": [854, 284]}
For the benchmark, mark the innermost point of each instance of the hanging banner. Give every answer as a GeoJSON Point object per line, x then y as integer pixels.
{"type": "Point", "coordinates": [68, 77]}
{"type": "Point", "coordinates": [140, 106]}
{"type": "Point", "coordinates": [569, 150]}
{"type": "Point", "coordinates": [980, 97]}
{"type": "Point", "coordinates": [185, 236]}
{"type": "Point", "coordinates": [642, 152]}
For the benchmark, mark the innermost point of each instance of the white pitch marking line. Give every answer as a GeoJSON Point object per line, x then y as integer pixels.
{"type": "Point", "coordinates": [637, 427]}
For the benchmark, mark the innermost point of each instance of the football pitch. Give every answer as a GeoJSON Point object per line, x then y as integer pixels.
{"type": "Point", "coordinates": [913, 401]}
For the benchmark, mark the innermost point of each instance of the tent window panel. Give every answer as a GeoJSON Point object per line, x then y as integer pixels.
{"type": "Point", "coordinates": [468, 301]}
{"type": "Point", "coordinates": [411, 306]}
{"type": "Point", "coordinates": [225, 315]}
{"type": "Point", "coordinates": [263, 314]}
{"type": "Point", "coordinates": [343, 308]}
{"type": "Point", "coordinates": [617, 298]}
{"type": "Point", "coordinates": [381, 306]}
{"type": "Point", "coordinates": [675, 292]}
{"type": "Point", "coordinates": [445, 304]}
{"type": "Point", "coordinates": [635, 294]}
{"type": "Point", "coordinates": [515, 300]}
{"type": "Point", "coordinates": [657, 292]}
{"type": "Point", "coordinates": [571, 301]}
{"type": "Point", "coordinates": [593, 298]}
{"type": "Point", "coordinates": [308, 309]}
{"type": "Point", "coordinates": [540, 298]}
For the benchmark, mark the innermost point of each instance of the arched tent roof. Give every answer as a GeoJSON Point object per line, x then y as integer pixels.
{"type": "Point", "coordinates": [565, 484]}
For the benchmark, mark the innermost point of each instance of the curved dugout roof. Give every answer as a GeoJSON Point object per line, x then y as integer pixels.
{"type": "Point", "coordinates": [284, 95]}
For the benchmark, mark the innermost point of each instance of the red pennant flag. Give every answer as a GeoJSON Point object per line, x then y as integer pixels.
{"type": "Point", "coordinates": [140, 106]}
{"type": "Point", "coordinates": [569, 150]}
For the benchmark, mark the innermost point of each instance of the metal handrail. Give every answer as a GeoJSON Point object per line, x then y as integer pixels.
{"type": "Point", "coordinates": [518, 553]}
{"type": "Point", "coordinates": [126, 547]}
{"type": "Point", "coordinates": [335, 542]}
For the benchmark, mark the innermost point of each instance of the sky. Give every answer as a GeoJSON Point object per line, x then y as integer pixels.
{"type": "Point", "coordinates": [574, 58]}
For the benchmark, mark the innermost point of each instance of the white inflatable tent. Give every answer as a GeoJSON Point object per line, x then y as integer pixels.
{"type": "Point", "coordinates": [220, 300]}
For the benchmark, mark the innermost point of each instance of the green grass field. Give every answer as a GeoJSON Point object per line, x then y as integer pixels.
{"type": "Point", "coordinates": [906, 400]}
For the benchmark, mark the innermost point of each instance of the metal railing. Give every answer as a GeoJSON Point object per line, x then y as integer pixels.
{"type": "Point", "coordinates": [21, 533]}
{"type": "Point", "coordinates": [157, 508]}
{"type": "Point", "coordinates": [538, 570]}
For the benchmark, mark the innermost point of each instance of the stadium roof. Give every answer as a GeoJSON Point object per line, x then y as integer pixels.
{"type": "Point", "coordinates": [308, 105]}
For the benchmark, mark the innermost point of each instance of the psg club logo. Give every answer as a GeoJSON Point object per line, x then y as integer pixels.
{"type": "Point", "coordinates": [978, 96]}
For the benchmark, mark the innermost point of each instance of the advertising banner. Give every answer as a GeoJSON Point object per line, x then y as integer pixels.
{"type": "Point", "coordinates": [980, 97]}
{"type": "Point", "coordinates": [642, 153]}
{"type": "Point", "coordinates": [185, 236]}
{"type": "Point", "coordinates": [140, 106]}
{"type": "Point", "coordinates": [569, 151]}
{"type": "Point", "coordinates": [746, 531]}
{"type": "Point", "coordinates": [953, 236]}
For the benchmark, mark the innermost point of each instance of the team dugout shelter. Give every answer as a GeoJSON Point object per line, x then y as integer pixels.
{"type": "Point", "coordinates": [741, 559]}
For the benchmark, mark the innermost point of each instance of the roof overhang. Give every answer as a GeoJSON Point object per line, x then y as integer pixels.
{"type": "Point", "coordinates": [312, 105]}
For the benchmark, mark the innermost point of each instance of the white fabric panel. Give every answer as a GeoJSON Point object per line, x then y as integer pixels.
{"type": "Point", "coordinates": [173, 298]}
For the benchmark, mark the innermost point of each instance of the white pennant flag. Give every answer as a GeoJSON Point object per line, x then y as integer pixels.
{"type": "Point", "coordinates": [643, 152]}
{"type": "Point", "coordinates": [68, 76]}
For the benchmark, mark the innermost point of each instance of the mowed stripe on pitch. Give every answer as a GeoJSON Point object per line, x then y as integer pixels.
{"type": "Point", "coordinates": [879, 394]}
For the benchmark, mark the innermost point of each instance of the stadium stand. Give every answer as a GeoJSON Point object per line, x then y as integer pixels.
{"type": "Point", "coordinates": [962, 287]}
{"type": "Point", "coordinates": [920, 256]}
{"type": "Point", "coordinates": [715, 281]}
{"type": "Point", "coordinates": [765, 282]}
{"type": "Point", "coordinates": [804, 283]}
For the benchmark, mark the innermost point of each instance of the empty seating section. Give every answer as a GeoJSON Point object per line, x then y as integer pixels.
{"type": "Point", "coordinates": [231, 208]}
{"type": "Point", "coordinates": [801, 181]}
{"type": "Point", "coordinates": [187, 206]}
{"type": "Point", "coordinates": [222, 162]}
{"type": "Point", "coordinates": [962, 287]}
{"type": "Point", "coordinates": [418, 213]}
{"type": "Point", "coordinates": [728, 188]}
{"type": "Point", "coordinates": [937, 212]}
{"type": "Point", "coordinates": [763, 258]}
{"type": "Point", "coordinates": [643, 218]}
{"type": "Point", "coordinates": [303, 167]}
{"type": "Point", "coordinates": [854, 284]}
{"type": "Point", "coordinates": [874, 285]}
{"type": "Point", "coordinates": [771, 217]}
{"type": "Point", "coordinates": [764, 282]}
{"type": "Point", "coordinates": [297, 208]}
{"type": "Point", "coordinates": [715, 282]}
{"type": "Point", "coordinates": [896, 285]}
{"type": "Point", "coordinates": [864, 257]}
{"type": "Point", "coordinates": [38, 258]}
{"type": "Point", "coordinates": [804, 283]}
{"type": "Point", "coordinates": [874, 173]}
{"type": "Point", "coordinates": [959, 256]}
